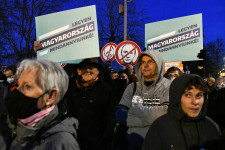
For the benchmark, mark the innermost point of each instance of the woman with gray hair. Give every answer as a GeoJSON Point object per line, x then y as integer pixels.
{"type": "Point", "coordinates": [41, 86]}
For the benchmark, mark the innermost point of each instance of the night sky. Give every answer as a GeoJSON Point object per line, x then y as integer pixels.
{"type": "Point", "coordinates": [213, 12]}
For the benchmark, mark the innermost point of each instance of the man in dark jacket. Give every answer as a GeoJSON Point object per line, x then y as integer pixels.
{"type": "Point", "coordinates": [93, 102]}
{"type": "Point", "coordinates": [185, 126]}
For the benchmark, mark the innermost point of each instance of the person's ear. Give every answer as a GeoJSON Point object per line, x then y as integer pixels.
{"type": "Point", "coordinates": [53, 94]}
{"type": "Point", "coordinates": [79, 71]}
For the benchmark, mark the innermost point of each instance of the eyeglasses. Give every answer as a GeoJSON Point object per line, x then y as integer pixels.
{"type": "Point", "coordinates": [122, 77]}
{"type": "Point", "coordinates": [149, 62]}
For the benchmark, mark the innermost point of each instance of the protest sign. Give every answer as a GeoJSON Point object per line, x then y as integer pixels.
{"type": "Point", "coordinates": [68, 36]}
{"type": "Point", "coordinates": [179, 65]}
{"type": "Point", "coordinates": [108, 52]}
{"type": "Point", "coordinates": [178, 39]}
{"type": "Point", "coordinates": [127, 53]}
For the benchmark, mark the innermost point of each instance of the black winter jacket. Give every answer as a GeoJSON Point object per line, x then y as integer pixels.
{"type": "Point", "coordinates": [175, 130]}
{"type": "Point", "coordinates": [94, 107]}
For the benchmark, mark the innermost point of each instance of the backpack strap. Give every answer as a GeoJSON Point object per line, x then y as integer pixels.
{"type": "Point", "coordinates": [134, 89]}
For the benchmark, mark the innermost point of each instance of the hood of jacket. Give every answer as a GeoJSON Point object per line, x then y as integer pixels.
{"type": "Point", "coordinates": [157, 57]}
{"type": "Point", "coordinates": [176, 90]}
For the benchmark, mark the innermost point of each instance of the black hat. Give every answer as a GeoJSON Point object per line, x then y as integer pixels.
{"type": "Point", "coordinates": [90, 62]}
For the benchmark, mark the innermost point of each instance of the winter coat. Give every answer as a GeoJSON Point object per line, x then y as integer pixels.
{"type": "Point", "coordinates": [3, 94]}
{"type": "Point", "coordinates": [148, 102]}
{"type": "Point", "coordinates": [94, 107]}
{"type": "Point", "coordinates": [218, 108]}
{"type": "Point", "coordinates": [175, 130]}
{"type": "Point", "coordinates": [46, 136]}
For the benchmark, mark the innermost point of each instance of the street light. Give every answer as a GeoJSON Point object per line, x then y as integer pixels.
{"type": "Point", "coordinates": [125, 19]}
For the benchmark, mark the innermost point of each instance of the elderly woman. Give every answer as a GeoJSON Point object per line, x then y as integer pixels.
{"type": "Point", "coordinates": [185, 126]}
{"type": "Point", "coordinates": [42, 84]}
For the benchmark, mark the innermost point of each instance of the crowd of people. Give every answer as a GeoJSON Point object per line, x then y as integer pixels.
{"type": "Point", "coordinates": [42, 107]}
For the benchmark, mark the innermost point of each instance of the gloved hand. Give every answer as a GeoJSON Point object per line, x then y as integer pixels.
{"type": "Point", "coordinates": [121, 115]}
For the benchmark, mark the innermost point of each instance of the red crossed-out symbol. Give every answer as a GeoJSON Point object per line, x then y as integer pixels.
{"type": "Point", "coordinates": [127, 53]}
{"type": "Point", "coordinates": [108, 52]}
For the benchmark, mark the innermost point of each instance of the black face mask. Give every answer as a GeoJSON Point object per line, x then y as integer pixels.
{"type": "Point", "coordinates": [20, 106]}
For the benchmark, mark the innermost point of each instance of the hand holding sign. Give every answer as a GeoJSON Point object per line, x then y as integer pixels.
{"type": "Point", "coordinates": [37, 46]}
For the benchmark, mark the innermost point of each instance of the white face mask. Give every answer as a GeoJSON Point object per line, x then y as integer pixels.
{"type": "Point", "coordinates": [10, 80]}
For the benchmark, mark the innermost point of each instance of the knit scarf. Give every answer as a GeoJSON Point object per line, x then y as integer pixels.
{"type": "Point", "coordinates": [81, 84]}
{"type": "Point", "coordinates": [34, 119]}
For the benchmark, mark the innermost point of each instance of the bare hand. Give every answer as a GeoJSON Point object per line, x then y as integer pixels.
{"type": "Point", "coordinates": [37, 46]}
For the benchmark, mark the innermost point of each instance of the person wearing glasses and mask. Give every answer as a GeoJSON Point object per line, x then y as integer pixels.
{"type": "Point", "coordinates": [33, 105]}
{"type": "Point", "coordinates": [186, 125]}
{"type": "Point", "coordinates": [145, 100]}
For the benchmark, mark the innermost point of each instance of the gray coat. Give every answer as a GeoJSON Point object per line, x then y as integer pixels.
{"type": "Point", "coordinates": [61, 136]}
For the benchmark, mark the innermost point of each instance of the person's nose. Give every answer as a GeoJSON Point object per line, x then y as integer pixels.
{"type": "Point", "coordinates": [195, 101]}
{"type": "Point", "coordinates": [145, 64]}
{"type": "Point", "coordinates": [87, 69]}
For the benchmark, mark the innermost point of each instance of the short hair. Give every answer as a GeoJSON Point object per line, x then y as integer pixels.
{"type": "Point", "coordinates": [50, 74]}
{"type": "Point", "coordinates": [112, 71]}
{"type": "Point", "coordinates": [123, 71]}
{"type": "Point", "coordinates": [211, 79]}
{"type": "Point", "coordinates": [12, 68]}
{"type": "Point", "coordinates": [174, 69]}
{"type": "Point", "coordinates": [198, 83]}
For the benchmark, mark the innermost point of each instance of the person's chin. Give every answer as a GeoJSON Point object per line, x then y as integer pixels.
{"type": "Point", "coordinates": [193, 115]}
{"type": "Point", "coordinates": [87, 78]}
